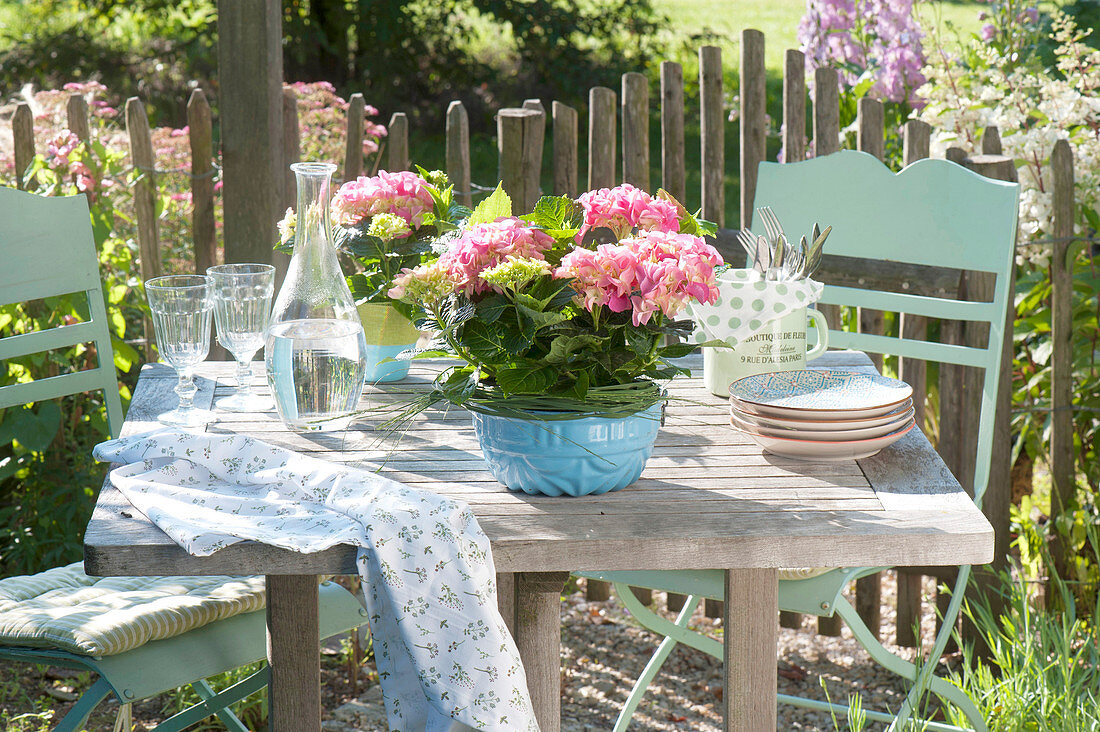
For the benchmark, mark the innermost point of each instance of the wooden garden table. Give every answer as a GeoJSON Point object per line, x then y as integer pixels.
{"type": "Point", "coordinates": [708, 499]}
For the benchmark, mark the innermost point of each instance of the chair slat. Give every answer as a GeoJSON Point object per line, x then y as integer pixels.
{"type": "Point", "coordinates": [59, 386]}
{"type": "Point", "coordinates": [914, 304]}
{"type": "Point", "coordinates": [924, 350]}
{"type": "Point", "coordinates": [45, 340]}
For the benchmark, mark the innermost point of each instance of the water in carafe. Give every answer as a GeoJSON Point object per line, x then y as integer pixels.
{"type": "Point", "coordinates": [315, 350]}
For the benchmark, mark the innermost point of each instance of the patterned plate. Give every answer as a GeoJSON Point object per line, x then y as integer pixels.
{"type": "Point", "coordinates": [899, 413]}
{"type": "Point", "coordinates": [827, 451]}
{"type": "Point", "coordinates": [746, 424]}
{"type": "Point", "coordinates": [817, 393]}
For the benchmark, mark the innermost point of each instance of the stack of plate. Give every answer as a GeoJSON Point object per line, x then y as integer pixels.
{"type": "Point", "coordinates": [822, 415]}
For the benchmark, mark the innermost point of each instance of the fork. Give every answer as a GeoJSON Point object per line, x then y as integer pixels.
{"type": "Point", "coordinates": [748, 241]}
{"type": "Point", "coordinates": [786, 257]}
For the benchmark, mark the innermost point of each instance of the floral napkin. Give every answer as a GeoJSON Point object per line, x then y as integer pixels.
{"type": "Point", "coordinates": [443, 651]}
{"type": "Point", "coordinates": [746, 302]}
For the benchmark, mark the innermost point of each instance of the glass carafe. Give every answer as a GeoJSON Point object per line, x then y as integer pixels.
{"type": "Point", "coordinates": [315, 349]}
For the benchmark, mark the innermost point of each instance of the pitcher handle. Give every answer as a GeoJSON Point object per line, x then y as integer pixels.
{"type": "Point", "coordinates": [822, 327]}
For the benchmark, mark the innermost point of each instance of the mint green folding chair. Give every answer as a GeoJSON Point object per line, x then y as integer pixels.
{"type": "Point", "coordinates": [933, 213]}
{"type": "Point", "coordinates": [140, 635]}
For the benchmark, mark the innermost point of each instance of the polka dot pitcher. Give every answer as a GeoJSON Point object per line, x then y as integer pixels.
{"type": "Point", "coordinates": [779, 345]}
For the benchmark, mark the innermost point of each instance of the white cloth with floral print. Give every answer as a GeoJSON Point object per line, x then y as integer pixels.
{"type": "Point", "coordinates": [442, 649]}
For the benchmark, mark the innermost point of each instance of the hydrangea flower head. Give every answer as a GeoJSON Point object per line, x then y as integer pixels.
{"type": "Point", "coordinates": [653, 271]}
{"type": "Point", "coordinates": [624, 208]}
{"type": "Point", "coordinates": [480, 248]}
{"type": "Point", "coordinates": [388, 226]}
{"type": "Point", "coordinates": [514, 272]}
{"type": "Point", "coordinates": [403, 194]}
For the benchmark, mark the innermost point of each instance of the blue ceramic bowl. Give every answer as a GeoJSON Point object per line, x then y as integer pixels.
{"type": "Point", "coordinates": [574, 457]}
{"type": "Point", "coordinates": [381, 373]}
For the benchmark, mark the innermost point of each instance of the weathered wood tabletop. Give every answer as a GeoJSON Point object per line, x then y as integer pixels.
{"type": "Point", "coordinates": [708, 499]}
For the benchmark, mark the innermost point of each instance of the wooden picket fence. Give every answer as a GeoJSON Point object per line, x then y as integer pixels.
{"type": "Point", "coordinates": [521, 134]}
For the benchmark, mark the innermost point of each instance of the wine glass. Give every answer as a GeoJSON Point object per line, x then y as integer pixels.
{"type": "Point", "coordinates": [182, 306]}
{"type": "Point", "coordinates": [242, 306]}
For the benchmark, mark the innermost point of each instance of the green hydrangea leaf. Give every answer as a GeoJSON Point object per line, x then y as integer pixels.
{"type": "Point", "coordinates": [498, 204]}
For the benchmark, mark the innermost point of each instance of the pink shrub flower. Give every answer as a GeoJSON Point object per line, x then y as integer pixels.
{"type": "Point", "coordinates": [653, 271]}
{"type": "Point", "coordinates": [988, 31]}
{"type": "Point", "coordinates": [625, 207]}
{"type": "Point", "coordinates": [402, 193]}
{"type": "Point", "coordinates": [486, 245]}
{"type": "Point", "coordinates": [481, 247]}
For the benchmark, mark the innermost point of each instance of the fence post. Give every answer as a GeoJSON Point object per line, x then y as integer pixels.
{"type": "Point", "coordinates": [635, 90]}
{"type": "Point", "coordinates": [397, 157]}
{"type": "Point", "coordinates": [794, 106]}
{"type": "Point", "coordinates": [353, 155]}
{"type": "Point", "coordinates": [601, 138]}
{"type": "Point", "coordinates": [871, 138]}
{"type": "Point", "coordinates": [826, 124]}
{"type": "Point", "coordinates": [794, 150]}
{"type": "Point", "coordinates": [673, 173]}
{"type": "Point", "coordinates": [998, 495]}
{"type": "Point", "coordinates": [458, 152]}
{"type": "Point", "coordinates": [203, 235]}
{"type": "Point", "coordinates": [826, 130]}
{"type": "Point", "coordinates": [712, 134]}
{"type": "Point", "coordinates": [565, 150]}
{"type": "Point", "coordinates": [141, 156]}
{"type": "Point", "coordinates": [1063, 497]}
{"type": "Point", "coordinates": [250, 83]}
{"type": "Point", "coordinates": [292, 153]}
{"type": "Point", "coordinates": [754, 109]}
{"type": "Point", "coordinates": [22, 128]}
{"type": "Point", "coordinates": [601, 174]}
{"type": "Point", "coordinates": [519, 142]}
{"type": "Point", "coordinates": [535, 105]}
{"type": "Point", "coordinates": [635, 111]}
{"type": "Point", "coordinates": [200, 133]}
{"type": "Point", "coordinates": [991, 141]}
{"type": "Point", "coordinates": [913, 371]}
{"type": "Point", "coordinates": [76, 113]}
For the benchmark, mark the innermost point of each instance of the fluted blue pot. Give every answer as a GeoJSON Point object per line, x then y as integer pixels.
{"type": "Point", "coordinates": [573, 457]}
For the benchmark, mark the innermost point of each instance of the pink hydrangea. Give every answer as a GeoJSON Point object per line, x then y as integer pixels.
{"type": "Point", "coordinates": [480, 247]}
{"type": "Point", "coordinates": [650, 272]}
{"type": "Point", "coordinates": [487, 245]}
{"type": "Point", "coordinates": [60, 156]}
{"type": "Point", "coordinates": [403, 194]}
{"type": "Point", "coordinates": [625, 207]}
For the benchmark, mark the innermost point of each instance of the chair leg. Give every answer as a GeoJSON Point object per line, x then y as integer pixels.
{"type": "Point", "coordinates": [88, 701]}
{"type": "Point", "coordinates": [225, 714]}
{"type": "Point", "coordinates": [673, 632]}
{"type": "Point", "coordinates": [207, 707]}
{"type": "Point", "coordinates": [923, 679]}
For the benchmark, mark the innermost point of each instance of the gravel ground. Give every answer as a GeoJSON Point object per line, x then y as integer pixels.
{"type": "Point", "coordinates": [604, 651]}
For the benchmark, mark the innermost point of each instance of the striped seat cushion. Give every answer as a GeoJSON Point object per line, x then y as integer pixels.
{"type": "Point", "coordinates": [65, 609]}
{"type": "Point", "coordinates": [802, 573]}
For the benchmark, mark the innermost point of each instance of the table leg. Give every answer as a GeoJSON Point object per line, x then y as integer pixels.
{"type": "Point", "coordinates": [538, 636]}
{"type": "Point", "coordinates": [506, 599]}
{"type": "Point", "coordinates": [294, 653]}
{"type": "Point", "coordinates": [751, 635]}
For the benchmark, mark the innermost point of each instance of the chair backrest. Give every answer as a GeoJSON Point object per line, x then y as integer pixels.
{"type": "Point", "coordinates": [46, 250]}
{"type": "Point", "coordinates": [934, 213]}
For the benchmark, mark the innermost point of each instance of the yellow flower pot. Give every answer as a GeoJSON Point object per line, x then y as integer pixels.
{"type": "Point", "coordinates": [388, 333]}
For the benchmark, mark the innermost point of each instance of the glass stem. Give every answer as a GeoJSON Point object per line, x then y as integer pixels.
{"type": "Point", "coordinates": [186, 390]}
{"type": "Point", "coordinates": [244, 378]}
